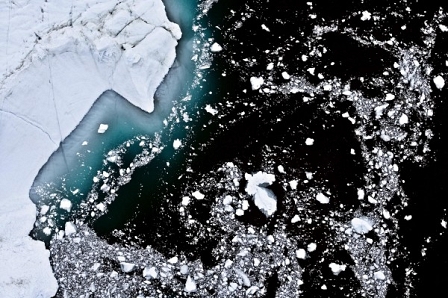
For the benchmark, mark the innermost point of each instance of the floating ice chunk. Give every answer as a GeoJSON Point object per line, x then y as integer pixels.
{"type": "Point", "coordinates": [366, 15]}
{"type": "Point", "coordinates": [198, 195]}
{"type": "Point", "coordinates": [328, 87]}
{"type": "Point", "coordinates": [361, 226]}
{"type": "Point", "coordinates": [361, 194]}
{"type": "Point", "coordinates": [293, 184]}
{"type": "Point", "coordinates": [101, 207]}
{"type": "Point", "coordinates": [190, 285]}
{"type": "Point", "coordinates": [127, 267]}
{"type": "Point", "coordinates": [211, 110]}
{"type": "Point", "coordinates": [150, 272]}
{"type": "Point", "coordinates": [336, 268]}
{"type": "Point", "coordinates": [443, 28]}
{"type": "Point", "coordinates": [85, 143]}
{"type": "Point", "coordinates": [47, 231]}
{"type": "Point", "coordinates": [311, 247]}
{"type": "Point", "coordinates": [256, 82]}
{"type": "Point", "coordinates": [281, 169]}
{"type": "Point", "coordinates": [379, 275]}
{"type": "Point", "coordinates": [323, 199]}
{"type": "Point", "coordinates": [66, 205]}
{"type": "Point", "coordinates": [173, 260]}
{"type": "Point", "coordinates": [244, 277]}
{"type": "Point", "coordinates": [263, 26]}
{"type": "Point", "coordinates": [295, 219]}
{"type": "Point", "coordinates": [184, 269]}
{"type": "Point", "coordinates": [227, 200]}
{"type": "Point", "coordinates": [70, 228]}
{"type": "Point", "coordinates": [403, 119]}
{"type": "Point", "coordinates": [103, 128]}
{"type": "Point", "coordinates": [285, 75]}
{"type": "Point", "coordinates": [439, 82]}
{"type": "Point", "coordinates": [389, 96]}
{"type": "Point", "coordinates": [176, 144]}
{"type": "Point", "coordinates": [264, 198]}
{"type": "Point", "coordinates": [443, 223]}
{"type": "Point", "coordinates": [185, 201]}
{"type": "Point", "coordinates": [216, 47]}
{"type": "Point", "coordinates": [309, 141]}
{"type": "Point", "coordinates": [270, 66]}
{"type": "Point", "coordinates": [301, 253]}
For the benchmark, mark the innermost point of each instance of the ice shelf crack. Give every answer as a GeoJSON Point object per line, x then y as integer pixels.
{"type": "Point", "coordinates": [30, 123]}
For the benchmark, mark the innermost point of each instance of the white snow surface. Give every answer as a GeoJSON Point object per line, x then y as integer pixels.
{"type": "Point", "coordinates": [264, 199]}
{"type": "Point", "coordinates": [362, 225]}
{"type": "Point", "coordinates": [57, 58]}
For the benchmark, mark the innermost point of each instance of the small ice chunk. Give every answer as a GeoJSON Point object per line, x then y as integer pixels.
{"type": "Point", "coordinates": [403, 119]}
{"type": "Point", "coordinates": [173, 260]}
{"type": "Point", "coordinates": [295, 219]}
{"type": "Point", "coordinates": [323, 199]}
{"type": "Point", "coordinates": [256, 82]}
{"type": "Point", "coordinates": [227, 200]}
{"type": "Point", "coordinates": [361, 226]}
{"type": "Point", "coordinates": [47, 231]}
{"type": "Point", "coordinates": [281, 169]}
{"type": "Point", "coordinates": [285, 75]}
{"type": "Point", "coordinates": [270, 66]}
{"type": "Point", "coordinates": [366, 15]}
{"type": "Point", "coordinates": [85, 143]}
{"type": "Point", "coordinates": [150, 272]}
{"type": "Point", "coordinates": [328, 87]}
{"type": "Point", "coordinates": [439, 82]}
{"type": "Point", "coordinates": [211, 110]}
{"type": "Point", "coordinates": [70, 228]}
{"type": "Point", "coordinates": [309, 141]}
{"type": "Point", "coordinates": [336, 268]}
{"type": "Point", "coordinates": [103, 128]}
{"type": "Point", "coordinates": [389, 96]}
{"type": "Point", "coordinates": [361, 194]}
{"type": "Point", "coordinates": [184, 269]}
{"type": "Point", "coordinates": [443, 28]}
{"type": "Point", "coordinates": [216, 47]}
{"type": "Point", "coordinates": [379, 275]}
{"type": "Point", "coordinates": [176, 144]}
{"type": "Point", "coordinates": [244, 277]}
{"type": "Point", "coordinates": [66, 205]}
{"type": "Point", "coordinates": [198, 195]}
{"type": "Point", "coordinates": [311, 247]}
{"type": "Point", "coordinates": [101, 207]}
{"type": "Point", "coordinates": [185, 201]}
{"type": "Point", "coordinates": [127, 267]}
{"type": "Point", "coordinates": [263, 26]}
{"type": "Point", "coordinates": [293, 184]}
{"type": "Point", "coordinates": [301, 253]}
{"type": "Point", "coordinates": [190, 285]}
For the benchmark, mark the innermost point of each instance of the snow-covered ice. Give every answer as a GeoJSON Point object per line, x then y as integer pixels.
{"type": "Point", "coordinates": [264, 198]}
{"type": "Point", "coordinates": [58, 58]}
{"type": "Point", "coordinates": [361, 225]}
{"type": "Point", "coordinates": [439, 82]}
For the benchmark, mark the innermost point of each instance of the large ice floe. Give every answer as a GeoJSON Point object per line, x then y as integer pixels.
{"type": "Point", "coordinates": [57, 58]}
